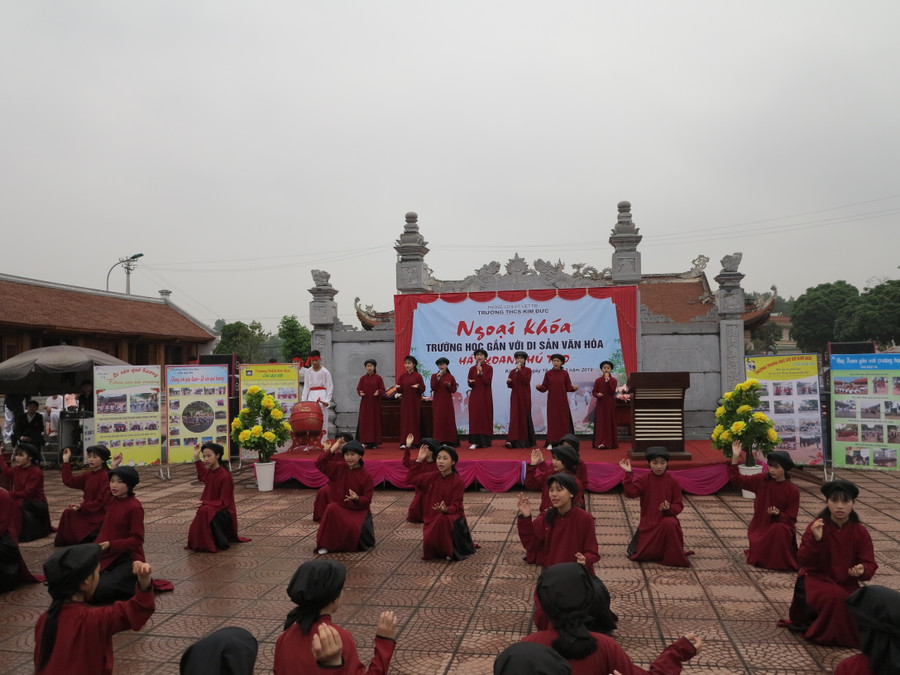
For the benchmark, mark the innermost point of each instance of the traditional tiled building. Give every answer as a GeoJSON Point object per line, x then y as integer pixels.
{"type": "Point", "coordinates": [138, 330]}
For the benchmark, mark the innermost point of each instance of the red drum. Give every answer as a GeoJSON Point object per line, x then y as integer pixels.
{"type": "Point", "coordinates": [306, 425]}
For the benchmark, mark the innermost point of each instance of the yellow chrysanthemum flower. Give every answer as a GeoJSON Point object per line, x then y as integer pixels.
{"type": "Point", "coordinates": [727, 395]}
{"type": "Point", "coordinates": [726, 436]}
{"type": "Point", "coordinates": [286, 425]}
{"type": "Point", "coordinates": [245, 411]}
{"type": "Point", "coordinates": [751, 383]}
{"type": "Point", "coordinates": [720, 411]}
{"type": "Point", "coordinates": [760, 417]}
{"type": "Point", "coordinates": [738, 427]}
{"type": "Point", "coordinates": [715, 434]}
{"type": "Point", "coordinates": [277, 414]}
{"type": "Point", "coordinates": [772, 435]}
{"type": "Point", "coordinates": [244, 436]}
{"type": "Point", "coordinates": [269, 436]}
{"type": "Point", "coordinates": [253, 390]}
{"type": "Point", "coordinates": [744, 409]}
{"type": "Point", "coordinates": [236, 423]}
{"type": "Point", "coordinates": [268, 402]}
{"type": "Point", "coordinates": [256, 431]}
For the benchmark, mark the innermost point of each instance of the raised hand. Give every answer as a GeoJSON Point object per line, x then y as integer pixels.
{"type": "Point", "coordinates": [524, 505]}
{"type": "Point", "coordinates": [817, 528]}
{"type": "Point", "coordinates": [67, 455]}
{"type": "Point", "coordinates": [117, 460]}
{"type": "Point", "coordinates": [423, 453]}
{"type": "Point", "coordinates": [196, 452]}
{"type": "Point", "coordinates": [536, 457]}
{"type": "Point", "coordinates": [409, 440]}
{"type": "Point", "coordinates": [625, 464]}
{"type": "Point", "coordinates": [327, 646]}
{"type": "Point", "coordinates": [694, 640]}
{"type": "Point", "coordinates": [736, 449]}
{"type": "Point", "coordinates": [387, 625]}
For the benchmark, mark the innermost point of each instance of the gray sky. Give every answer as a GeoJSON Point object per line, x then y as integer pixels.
{"type": "Point", "coordinates": [239, 145]}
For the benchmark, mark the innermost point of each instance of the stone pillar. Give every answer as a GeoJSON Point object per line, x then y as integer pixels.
{"type": "Point", "coordinates": [730, 305]}
{"type": "Point", "coordinates": [411, 247]}
{"type": "Point", "coordinates": [323, 317]}
{"type": "Point", "coordinates": [625, 237]}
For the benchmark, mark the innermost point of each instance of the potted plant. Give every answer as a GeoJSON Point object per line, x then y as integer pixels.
{"type": "Point", "coordinates": [738, 418]}
{"type": "Point", "coordinates": [261, 426]}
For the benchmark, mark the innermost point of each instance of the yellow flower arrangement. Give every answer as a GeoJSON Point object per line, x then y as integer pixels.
{"type": "Point", "coordinates": [736, 420]}
{"type": "Point", "coordinates": [260, 425]}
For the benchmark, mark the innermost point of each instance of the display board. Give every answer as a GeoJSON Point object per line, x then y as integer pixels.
{"type": "Point", "coordinates": [791, 397]}
{"type": "Point", "coordinates": [865, 410]}
{"type": "Point", "coordinates": [281, 380]}
{"type": "Point", "coordinates": [196, 410]}
{"type": "Point", "coordinates": [126, 412]}
{"type": "Point", "coordinates": [587, 325]}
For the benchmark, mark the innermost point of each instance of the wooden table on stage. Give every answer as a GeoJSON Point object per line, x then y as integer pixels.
{"type": "Point", "coordinates": [390, 420]}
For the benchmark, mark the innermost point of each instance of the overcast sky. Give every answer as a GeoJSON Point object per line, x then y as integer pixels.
{"type": "Point", "coordinates": [239, 145]}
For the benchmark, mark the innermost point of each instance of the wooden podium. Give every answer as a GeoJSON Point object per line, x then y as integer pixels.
{"type": "Point", "coordinates": [658, 404]}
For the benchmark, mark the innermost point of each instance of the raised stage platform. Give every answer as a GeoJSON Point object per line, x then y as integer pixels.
{"type": "Point", "coordinates": [501, 469]}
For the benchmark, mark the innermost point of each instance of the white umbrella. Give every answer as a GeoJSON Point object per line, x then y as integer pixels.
{"type": "Point", "coordinates": [52, 370]}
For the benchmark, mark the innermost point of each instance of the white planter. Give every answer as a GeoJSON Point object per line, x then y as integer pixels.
{"type": "Point", "coordinates": [265, 476]}
{"type": "Point", "coordinates": [746, 471]}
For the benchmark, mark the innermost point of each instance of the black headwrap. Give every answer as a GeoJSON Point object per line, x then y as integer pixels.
{"type": "Point", "coordinates": [877, 613]}
{"type": "Point", "coordinates": [566, 481]}
{"type": "Point", "coordinates": [413, 360]}
{"type": "Point", "coordinates": [558, 356]}
{"type": "Point", "coordinates": [100, 451]}
{"type": "Point", "coordinates": [30, 450]}
{"type": "Point", "coordinates": [781, 458]}
{"type": "Point", "coordinates": [480, 351]}
{"type": "Point", "coordinates": [227, 651]}
{"type": "Point", "coordinates": [65, 571]}
{"type": "Point", "coordinates": [443, 360]}
{"type": "Point", "coordinates": [657, 451]}
{"type": "Point", "coordinates": [567, 455]}
{"type": "Point", "coordinates": [840, 485]}
{"type": "Point", "coordinates": [315, 584]}
{"type": "Point", "coordinates": [572, 441]}
{"type": "Point", "coordinates": [530, 658]}
{"type": "Point", "coordinates": [127, 475]}
{"type": "Point", "coordinates": [523, 355]}
{"type": "Point", "coordinates": [372, 361]}
{"type": "Point", "coordinates": [433, 444]}
{"type": "Point", "coordinates": [566, 594]}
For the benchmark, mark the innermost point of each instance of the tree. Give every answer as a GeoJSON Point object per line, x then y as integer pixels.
{"type": "Point", "coordinates": [763, 338]}
{"type": "Point", "coordinates": [296, 339]}
{"type": "Point", "coordinates": [819, 312]}
{"type": "Point", "coordinates": [876, 316]}
{"type": "Point", "coordinates": [241, 339]}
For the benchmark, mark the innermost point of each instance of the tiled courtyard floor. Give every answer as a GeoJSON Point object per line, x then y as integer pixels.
{"type": "Point", "coordinates": [455, 617]}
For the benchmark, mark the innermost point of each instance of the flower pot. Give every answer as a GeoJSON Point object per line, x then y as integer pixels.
{"type": "Point", "coordinates": [749, 471]}
{"type": "Point", "coordinates": [265, 476]}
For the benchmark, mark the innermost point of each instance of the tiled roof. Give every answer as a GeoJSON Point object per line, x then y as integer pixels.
{"type": "Point", "coordinates": [29, 303]}
{"type": "Point", "coordinates": [681, 300]}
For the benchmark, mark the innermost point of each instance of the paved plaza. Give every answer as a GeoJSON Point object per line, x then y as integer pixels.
{"type": "Point", "coordinates": [455, 617]}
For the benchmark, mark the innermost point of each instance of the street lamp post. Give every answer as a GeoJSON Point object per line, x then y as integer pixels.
{"type": "Point", "coordinates": [128, 263]}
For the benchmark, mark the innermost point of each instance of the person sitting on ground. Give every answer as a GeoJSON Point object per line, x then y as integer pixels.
{"type": "Point", "coordinates": [835, 555]}
{"type": "Point", "coordinates": [347, 521]}
{"type": "Point", "coordinates": [566, 593]}
{"type": "Point", "coordinates": [876, 610]}
{"type": "Point", "coordinates": [80, 523]}
{"type": "Point", "coordinates": [325, 494]}
{"type": "Point", "coordinates": [214, 528]}
{"type": "Point", "coordinates": [311, 640]}
{"type": "Point", "coordinates": [227, 651]}
{"type": "Point", "coordinates": [530, 658]}
{"type": "Point", "coordinates": [773, 529]}
{"type": "Point", "coordinates": [564, 459]}
{"type": "Point", "coordinates": [71, 637]}
{"type": "Point", "coordinates": [659, 537]}
{"type": "Point", "coordinates": [13, 570]}
{"type": "Point", "coordinates": [416, 511]}
{"type": "Point", "coordinates": [31, 520]}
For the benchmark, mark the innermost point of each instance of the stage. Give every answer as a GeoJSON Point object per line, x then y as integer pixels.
{"type": "Point", "coordinates": [501, 469]}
